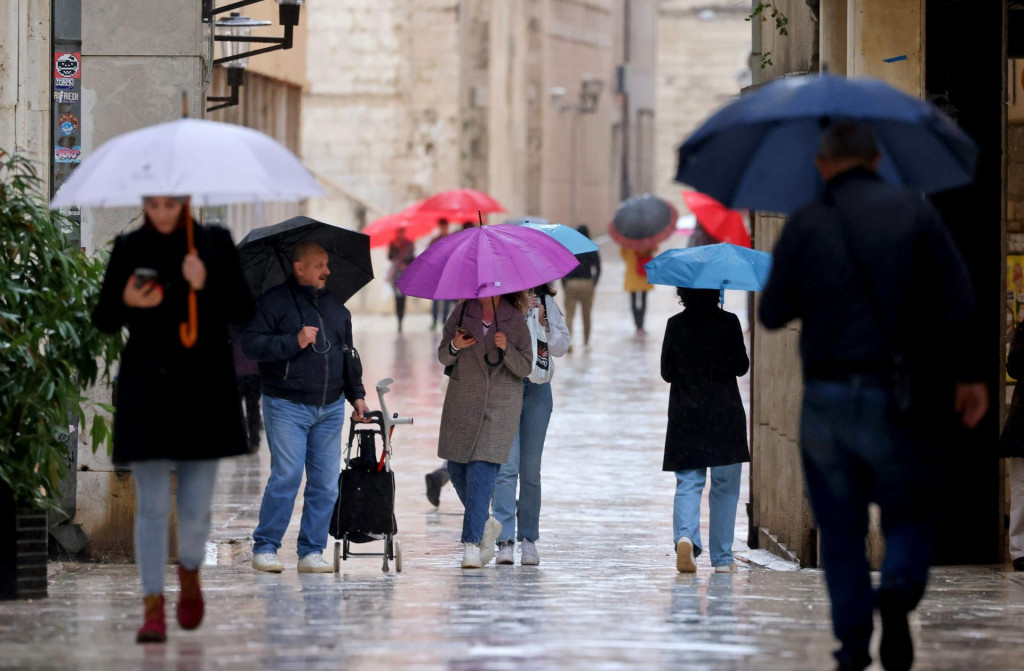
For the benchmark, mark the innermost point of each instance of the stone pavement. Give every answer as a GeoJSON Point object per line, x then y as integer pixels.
{"type": "Point", "coordinates": [606, 595]}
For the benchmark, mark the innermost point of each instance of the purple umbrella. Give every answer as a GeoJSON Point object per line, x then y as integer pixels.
{"type": "Point", "coordinates": [486, 261]}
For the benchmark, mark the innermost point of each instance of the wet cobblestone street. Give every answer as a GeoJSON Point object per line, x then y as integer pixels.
{"type": "Point", "coordinates": [606, 595]}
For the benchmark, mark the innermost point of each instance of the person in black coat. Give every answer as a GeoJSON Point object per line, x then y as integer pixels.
{"type": "Point", "coordinates": [580, 285]}
{"type": "Point", "coordinates": [177, 407]}
{"type": "Point", "coordinates": [1012, 444]}
{"type": "Point", "coordinates": [701, 358]}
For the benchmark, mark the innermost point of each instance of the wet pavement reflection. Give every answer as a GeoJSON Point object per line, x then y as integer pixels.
{"type": "Point", "coordinates": [606, 595]}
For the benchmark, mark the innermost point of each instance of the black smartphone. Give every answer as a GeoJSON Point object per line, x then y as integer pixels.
{"type": "Point", "coordinates": [462, 330]}
{"type": "Point", "coordinates": [144, 276]}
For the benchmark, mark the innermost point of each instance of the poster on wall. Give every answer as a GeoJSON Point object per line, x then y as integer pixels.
{"type": "Point", "coordinates": [67, 126]}
{"type": "Point", "coordinates": [1014, 297]}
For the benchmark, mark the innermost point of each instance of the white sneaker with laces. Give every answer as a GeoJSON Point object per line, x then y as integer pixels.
{"type": "Point", "coordinates": [471, 556]}
{"type": "Point", "coordinates": [506, 556]}
{"type": "Point", "coordinates": [685, 563]}
{"type": "Point", "coordinates": [267, 562]}
{"type": "Point", "coordinates": [314, 562]}
{"type": "Point", "coordinates": [492, 529]}
{"type": "Point", "coordinates": [530, 556]}
{"type": "Point", "coordinates": [726, 568]}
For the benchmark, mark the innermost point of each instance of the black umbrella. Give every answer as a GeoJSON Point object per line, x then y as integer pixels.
{"type": "Point", "coordinates": [267, 255]}
{"type": "Point", "coordinates": [641, 222]}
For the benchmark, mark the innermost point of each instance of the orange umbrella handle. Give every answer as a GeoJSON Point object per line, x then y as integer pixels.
{"type": "Point", "coordinates": [189, 332]}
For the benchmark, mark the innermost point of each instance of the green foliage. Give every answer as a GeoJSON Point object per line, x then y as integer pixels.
{"type": "Point", "coordinates": [49, 351]}
{"type": "Point", "coordinates": [769, 10]}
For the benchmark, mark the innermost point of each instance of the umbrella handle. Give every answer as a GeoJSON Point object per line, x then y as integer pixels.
{"type": "Point", "coordinates": [189, 332]}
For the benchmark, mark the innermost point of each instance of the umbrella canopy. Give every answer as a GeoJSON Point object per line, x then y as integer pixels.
{"type": "Point", "coordinates": [758, 151]}
{"type": "Point", "coordinates": [486, 261]}
{"type": "Point", "coordinates": [458, 204]}
{"type": "Point", "coordinates": [570, 238]}
{"type": "Point", "coordinates": [382, 231]}
{"type": "Point", "coordinates": [267, 255]}
{"type": "Point", "coordinates": [721, 266]}
{"type": "Point", "coordinates": [213, 163]}
{"type": "Point", "coordinates": [641, 222]}
{"type": "Point", "coordinates": [719, 221]}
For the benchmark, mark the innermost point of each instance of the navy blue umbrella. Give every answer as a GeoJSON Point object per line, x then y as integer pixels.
{"type": "Point", "coordinates": [758, 151]}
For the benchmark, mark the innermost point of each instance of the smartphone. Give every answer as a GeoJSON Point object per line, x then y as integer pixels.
{"type": "Point", "coordinates": [463, 331]}
{"type": "Point", "coordinates": [144, 276]}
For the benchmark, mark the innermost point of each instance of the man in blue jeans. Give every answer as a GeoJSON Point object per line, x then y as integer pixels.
{"type": "Point", "coordinates": [302, 338]}
{"type": "Point", "coordinates": [864, 268]}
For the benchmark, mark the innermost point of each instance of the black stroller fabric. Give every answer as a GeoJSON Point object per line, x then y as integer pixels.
{"type": "Point", "coordinates": [365, 510]}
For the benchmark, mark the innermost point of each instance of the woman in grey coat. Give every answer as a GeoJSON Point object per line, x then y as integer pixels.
{"type": "Point", "coordinates": [487, 345]}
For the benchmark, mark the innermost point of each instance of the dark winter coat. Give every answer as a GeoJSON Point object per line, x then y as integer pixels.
{"type": "Point", "coordinates": [318, 374]}
{"type": "Point", "coordinates": [701, 358]}
{"type": "Point", "coordinates": [1012, 441]}
{"type": "Point", "coordinates": [173, 402]}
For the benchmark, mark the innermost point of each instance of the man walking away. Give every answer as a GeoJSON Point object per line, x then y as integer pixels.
{"type": "Point", "coordinates": [440, 308]}
{"type": "Point", "coordinates": [580, 285]}
{"type": "Point", "coordinates": [862, 268]}
{"type": "Point", "coordinates": [302, 338]}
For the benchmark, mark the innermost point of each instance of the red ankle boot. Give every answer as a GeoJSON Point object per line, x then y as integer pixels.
{"type": "Point", "coordinates": [190, 601]}
{"type": "Point", "coordinates": [154, 628]}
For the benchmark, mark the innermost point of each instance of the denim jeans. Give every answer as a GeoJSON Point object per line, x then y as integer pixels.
{"type": "Point", "coordinates": [723, 499]}
{"type": "Point", "coordinates": [300, 437]}
{"type": "Point", "coordinates": [524, 466]}
{"type": "Point", "coordinates": [853, 454]}
{"type": "Point", "coordinates": [439, 311]}
{"type": "Point", "coordinates": [474, 483]}
{"type": "Point", "coordinates": [196, 480]}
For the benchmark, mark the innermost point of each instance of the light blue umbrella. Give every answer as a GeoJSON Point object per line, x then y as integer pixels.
{"type": "Point", "coordinates": [570, 238]}
{"type": "Point", "coordinates": [723, 266]}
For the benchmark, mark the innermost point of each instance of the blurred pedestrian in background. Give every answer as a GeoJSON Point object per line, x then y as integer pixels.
{"type": "Point", "coordinates": [401, 253]}
{"type": "Point", "coordinates": [863, 268]}
{"type": "Point", "coordinates": [177, 406]}
{"type": "Point", "coordinates": [551, 335]}
{"type": "Point", "coordinates": [439, 309]}
{"type": "Point", "coordinates": [636, 283]}
{"type": "Point", "coordinates": [249, 389]}
{"type": "Point", "coordinates": [580, 285]}
{"type": "Point", "coordinates": [702, 355]}
{"type": "Point", "coordinates": [487, 350]}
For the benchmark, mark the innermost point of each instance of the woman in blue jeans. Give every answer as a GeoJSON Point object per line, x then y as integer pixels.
{"type": "Point", "coordinates": [523, 465]}
{"type": "Point", "coordinates": [701, 358]}
{"type": "Point", "coordinates": [487, 352]}
{"type": "Point", "coordinates": [177, 405]}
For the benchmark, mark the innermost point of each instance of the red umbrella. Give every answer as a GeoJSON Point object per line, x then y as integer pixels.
{"type": "Point", "coordinates": [455, 204]}
{"type": "Point", "coordinates": [382, 231]}
{"type": "Point", "coordinates": [718, 220]}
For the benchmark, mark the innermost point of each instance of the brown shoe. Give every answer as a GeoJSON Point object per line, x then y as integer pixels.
{"type": "Point", "coordinates": [154, 627]}
{"type": "Point", "coordinates": [190, 601]}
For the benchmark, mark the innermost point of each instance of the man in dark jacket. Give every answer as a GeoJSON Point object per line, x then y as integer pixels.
{"type": "Point", "coordinates": [864, 269]}
{"type": "Point", "coordinates": [580, 285]}
{"type": "Point", "coordinates": [302, 338]}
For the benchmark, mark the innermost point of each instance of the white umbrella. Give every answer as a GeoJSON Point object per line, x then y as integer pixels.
{"type": "Point", "coordinates": [214, 163]}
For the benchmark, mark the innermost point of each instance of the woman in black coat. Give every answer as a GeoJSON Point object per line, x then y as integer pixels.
{"type": "Point", "coordinates": [177, 407]}
{"type": "Point", "coordinates": [1013, 447]}
{"type": "Point", "coordinates": [701, 358]}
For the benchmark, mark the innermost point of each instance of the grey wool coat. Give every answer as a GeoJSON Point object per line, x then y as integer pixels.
{"type": "Point", "coordinates": [483, 403]}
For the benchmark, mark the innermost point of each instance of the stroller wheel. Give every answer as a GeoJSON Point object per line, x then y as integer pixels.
{"type": "Point", "coordinates": [398, 557]}
{"type": "Point", "coordinates": [337, 556]}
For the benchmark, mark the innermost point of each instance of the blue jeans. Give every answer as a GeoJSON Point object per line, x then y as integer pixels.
{"type": "Point", "coordinates": [474, 483]}
{"type": "Point", "coordinates": [440, 309]}
{"type": "Point", "coordinates": [524, 466]}
{"type": "Point", "coordinates": [196, 480]}
{"type": "Point", "coordinates": [723, 499]}
{"type": "Point", "coordinates": [853, 454]}
{"type": "Point", "coordinates": [300, 437]}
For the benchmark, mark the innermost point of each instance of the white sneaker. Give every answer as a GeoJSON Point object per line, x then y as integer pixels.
{"type": "Point", "coordinates": [726, 568]}
{"type": "Point", "coordinates": [314, 562]}
{"type": "Point", "coordinates": [267, 561]}
{"type": "Point", "coordinates": [471, 556]}
{"type": "Point", "coordinates": [506, 556]}
{"type": "Point", "coordinates": [492, 529]}
{"type": "Point", "coordinates": [685, 562]}
{"type": "Point", "coordinates": [530, 556]}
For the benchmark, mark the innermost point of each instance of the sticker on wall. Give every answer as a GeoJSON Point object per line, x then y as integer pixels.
{"type": "Point", "coordinates": [68, 124]}
{"type": "Point", "coordinates": [65, 96]}
{"type": "Point", "coordinates": [67, 154]}
{"type": "Point", "coordinates": [64, 84]}
{"type": "Point", "coordinates": [68, 65]}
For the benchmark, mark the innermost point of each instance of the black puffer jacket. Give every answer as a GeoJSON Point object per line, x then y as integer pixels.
{"type": "Point", "coordinates": [318, 374]}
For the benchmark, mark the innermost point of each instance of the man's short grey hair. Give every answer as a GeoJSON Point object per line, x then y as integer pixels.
{"type": "Point", "coordinates": [848, 140]}
{"type": "Point", "coordinates": [303, 249]}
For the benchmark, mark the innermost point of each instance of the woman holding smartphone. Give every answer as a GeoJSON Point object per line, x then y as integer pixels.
{"type": "Point", "coordinates": [177, 407]}
{"type": "Point", "coordinates": [486, 347]}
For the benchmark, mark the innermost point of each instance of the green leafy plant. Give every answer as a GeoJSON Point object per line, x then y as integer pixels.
{"type": "Point", "coordinates": [770, 11]}
{"type": "Point", "coordinates": [49, 351]}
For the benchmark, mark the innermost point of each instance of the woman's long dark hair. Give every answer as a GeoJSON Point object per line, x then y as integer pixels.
{"type": "Point", "coordinates": [698, 298]}
{"type": "Point", "coordinates": [545, 290]}
{"type": "Point", "coordinates": [182, 218]}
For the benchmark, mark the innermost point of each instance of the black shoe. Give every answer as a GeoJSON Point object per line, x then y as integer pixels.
{"type": "Point", "coordinates": [435, 481]}
{"type": "Point", "coordinates": [897, 648]}
{"type": "Point", "coordinates": [1018, 564]}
